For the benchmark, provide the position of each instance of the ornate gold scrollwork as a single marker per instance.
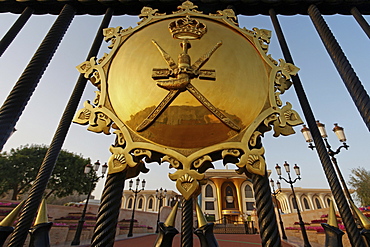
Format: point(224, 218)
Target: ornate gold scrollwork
point(173, 162)
point(199, 162)
point(229, 14)
point(263, 37)
point(146, 12)
point(97, 120)
point(254, 137)
point(231, 152)
point(120, 138)
point(187, 6)
point(142, 152)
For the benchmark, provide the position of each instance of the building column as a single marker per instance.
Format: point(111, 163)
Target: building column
point(238, 183)
point(310, 200)
point(289, 208)
point(323, 202)
point(218, 183)
point(299, 201)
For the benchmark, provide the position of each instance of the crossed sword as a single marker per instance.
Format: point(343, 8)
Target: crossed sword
point(183, 73)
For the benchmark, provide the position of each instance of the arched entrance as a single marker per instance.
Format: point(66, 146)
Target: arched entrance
point(230, 209)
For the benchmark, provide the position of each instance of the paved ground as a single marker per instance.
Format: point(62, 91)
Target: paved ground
point(224, 240)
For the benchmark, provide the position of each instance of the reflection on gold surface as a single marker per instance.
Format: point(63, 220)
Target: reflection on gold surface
point(239, 91)
point(185, 123)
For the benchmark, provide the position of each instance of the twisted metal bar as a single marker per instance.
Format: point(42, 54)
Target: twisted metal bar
point(348, 75)
point(361, 21)
point(51, 156)
point(106, 223)
point(330, 174)
point(26, 84)
point(266, 214)
point(14, 30)
point(13, 107)
point(187, 223)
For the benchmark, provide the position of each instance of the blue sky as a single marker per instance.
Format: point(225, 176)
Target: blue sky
point(325, 90)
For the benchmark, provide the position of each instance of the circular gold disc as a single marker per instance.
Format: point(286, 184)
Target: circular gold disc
point(239, 91)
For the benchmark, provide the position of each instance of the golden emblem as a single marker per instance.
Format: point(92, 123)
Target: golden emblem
point(178, 111)
point(184, 29)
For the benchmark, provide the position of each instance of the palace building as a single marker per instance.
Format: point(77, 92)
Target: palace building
point(228, 196)
point(146, 200)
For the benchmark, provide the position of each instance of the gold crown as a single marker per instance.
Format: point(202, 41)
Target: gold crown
point(187, 28)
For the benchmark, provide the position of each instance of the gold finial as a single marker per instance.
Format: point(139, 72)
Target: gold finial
point(200, 216)
point(42, 215)
point(365, 222)
point(332, 218)
point(170, 221)
point(12, 216)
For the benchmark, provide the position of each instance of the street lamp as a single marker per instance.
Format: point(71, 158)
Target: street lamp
point(136, 191)
point(274, 194)
point(339, 131)
point(87, 170)
point(159, 194)
point(291, 182)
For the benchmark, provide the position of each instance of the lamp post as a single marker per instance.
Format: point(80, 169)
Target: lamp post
point(136, 191)
point(160, 194)
point(291, 182)
point(87, 170)
point(274, 194)
point(339, 131)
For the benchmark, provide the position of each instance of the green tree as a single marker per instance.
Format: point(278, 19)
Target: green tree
point(360, 181)
point(19, 168)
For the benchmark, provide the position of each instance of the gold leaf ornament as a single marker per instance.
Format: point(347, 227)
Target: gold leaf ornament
point(120, 160)
point(100, 122)
point(187, 5)
point(187, 182)
point(288, 69)
point(286, 119)
point(87, 67)
point(291, 116)
point(254, 162)
point(146, 12)
point(83, 115)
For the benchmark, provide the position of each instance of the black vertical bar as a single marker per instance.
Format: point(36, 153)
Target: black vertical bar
point(361, 21)
point(106, 222)
point(348, 75)
point(27, 83)
point(51, 156)
point(265, 210)
point(40, 235)
point(187, 223)
point(331, 176)
point(14, 30)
